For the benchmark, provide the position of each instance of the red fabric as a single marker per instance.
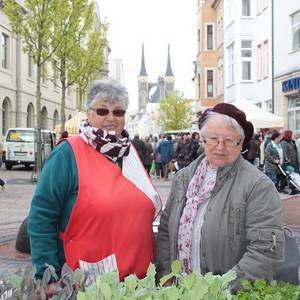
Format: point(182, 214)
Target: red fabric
point(110, 216)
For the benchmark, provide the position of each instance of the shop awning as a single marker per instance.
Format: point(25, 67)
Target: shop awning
point(71, 125)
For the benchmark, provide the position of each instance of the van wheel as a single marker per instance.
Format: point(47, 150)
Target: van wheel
point(8, 166)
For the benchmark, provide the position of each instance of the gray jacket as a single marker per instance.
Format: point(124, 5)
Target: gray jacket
point(242, 227)
point(271, 154)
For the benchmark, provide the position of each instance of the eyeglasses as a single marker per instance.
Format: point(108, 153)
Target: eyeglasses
point(214, 141)
point(105, 111)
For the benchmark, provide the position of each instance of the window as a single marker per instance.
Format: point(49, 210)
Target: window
point(30, 66)
point(246, 54)
point(220, 78)
point(269, 106)
point(261, 5)
point(4, 50)
point(220, 31)
point(230, 6)
point(296, 30)
point(246, 9)
point(265, 54)
point(262, 60)
point(209, 37)
point(230, 58)
point(210, 83)
point(259, 62)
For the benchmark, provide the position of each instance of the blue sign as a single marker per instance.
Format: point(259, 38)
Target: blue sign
point(291, 84)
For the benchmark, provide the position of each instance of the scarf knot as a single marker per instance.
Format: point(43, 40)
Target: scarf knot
point(105, 141)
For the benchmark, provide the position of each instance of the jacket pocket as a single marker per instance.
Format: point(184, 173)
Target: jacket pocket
point(269, 241)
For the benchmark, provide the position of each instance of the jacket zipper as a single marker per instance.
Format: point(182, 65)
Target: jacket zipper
point(237, 218)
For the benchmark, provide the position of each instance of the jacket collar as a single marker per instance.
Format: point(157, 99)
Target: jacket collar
point(223, 172)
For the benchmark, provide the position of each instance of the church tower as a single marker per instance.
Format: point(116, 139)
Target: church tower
point(169, 76)
point(143, 84)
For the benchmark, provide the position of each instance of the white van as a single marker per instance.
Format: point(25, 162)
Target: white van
point(20, 146)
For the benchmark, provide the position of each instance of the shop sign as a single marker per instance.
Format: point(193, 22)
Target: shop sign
point(291, 84)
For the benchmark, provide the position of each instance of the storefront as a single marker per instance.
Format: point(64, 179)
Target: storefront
point(291, 89)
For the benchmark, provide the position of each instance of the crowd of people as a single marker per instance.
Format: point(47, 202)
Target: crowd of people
point(270, 149)
point(266, 150)
point(222, 213)
point(158, 154)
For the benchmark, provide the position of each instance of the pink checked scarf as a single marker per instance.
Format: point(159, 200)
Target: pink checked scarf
point(104, 141)
point(196, 194)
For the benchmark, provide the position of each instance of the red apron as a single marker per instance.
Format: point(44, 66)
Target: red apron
point(110, 216)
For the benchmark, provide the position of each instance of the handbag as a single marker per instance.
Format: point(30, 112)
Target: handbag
point(289, 269)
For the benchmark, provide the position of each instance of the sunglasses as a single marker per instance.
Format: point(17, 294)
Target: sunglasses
point(105, 112)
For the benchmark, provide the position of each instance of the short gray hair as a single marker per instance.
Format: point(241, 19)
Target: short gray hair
point(108, 90)
point(227, 121)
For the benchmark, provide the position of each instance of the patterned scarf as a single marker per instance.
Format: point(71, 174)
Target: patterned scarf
point(196, 194)
point(104, 141)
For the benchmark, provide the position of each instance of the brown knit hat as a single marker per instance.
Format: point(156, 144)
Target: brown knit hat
point(233, 112)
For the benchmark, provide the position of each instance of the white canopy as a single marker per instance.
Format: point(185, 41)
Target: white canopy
point(259, 118)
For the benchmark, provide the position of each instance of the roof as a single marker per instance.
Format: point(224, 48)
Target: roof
point(169, 72)
point(143, 71)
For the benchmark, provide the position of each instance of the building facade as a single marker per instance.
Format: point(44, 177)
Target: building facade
point(18, 85)
point(209, 65)
point(247, 39)
point(287, 62)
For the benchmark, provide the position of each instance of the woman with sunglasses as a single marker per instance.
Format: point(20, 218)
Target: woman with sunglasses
point(222, 213)
point(94, 201)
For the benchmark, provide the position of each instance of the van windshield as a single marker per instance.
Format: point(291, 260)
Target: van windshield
point(22, 136)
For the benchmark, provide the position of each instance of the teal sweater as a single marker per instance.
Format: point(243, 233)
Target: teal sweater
point(51, 206)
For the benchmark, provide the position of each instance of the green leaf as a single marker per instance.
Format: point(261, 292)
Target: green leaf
point(105, 290)
point(86, 295)
point(130, 283)
point(260, 284)
point(15, 281)
point(176, 267)
point(172, 293)
point(227, 278)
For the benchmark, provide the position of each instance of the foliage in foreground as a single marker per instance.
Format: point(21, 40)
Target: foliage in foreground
point(193, 286)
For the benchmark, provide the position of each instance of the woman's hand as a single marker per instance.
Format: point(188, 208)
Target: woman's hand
point(277, 161)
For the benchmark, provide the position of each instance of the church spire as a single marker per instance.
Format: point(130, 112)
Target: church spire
point(143, 71)
point(169, 72)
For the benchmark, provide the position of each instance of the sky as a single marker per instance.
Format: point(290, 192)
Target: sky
point(156, 23)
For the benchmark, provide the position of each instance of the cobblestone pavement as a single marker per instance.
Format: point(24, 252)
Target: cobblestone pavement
point(15, 202)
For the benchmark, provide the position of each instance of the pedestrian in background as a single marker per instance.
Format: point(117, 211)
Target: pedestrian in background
point(94, 201)
point(165, 149)
point(148, 158)
point(273, 158)
point(140, 146)
point(184, 151)
point(289, 149)
point(222, 213)
point(197, 148)
point(159, 171)
point(297, 144)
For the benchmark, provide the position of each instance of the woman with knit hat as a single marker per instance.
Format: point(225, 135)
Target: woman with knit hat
point(222, 213)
